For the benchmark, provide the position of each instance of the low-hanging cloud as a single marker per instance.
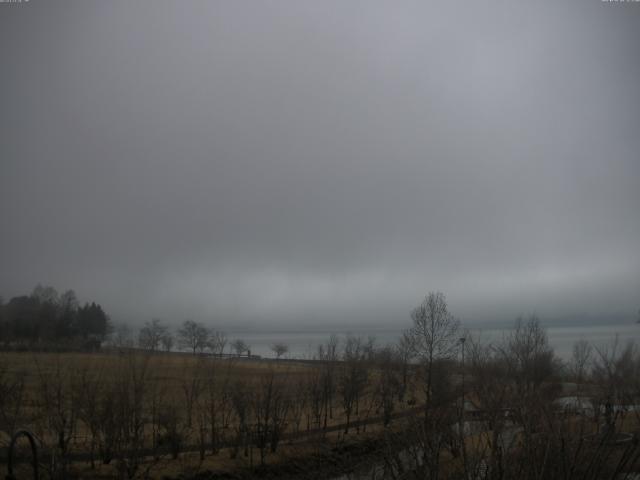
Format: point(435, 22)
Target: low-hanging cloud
point(322, 163)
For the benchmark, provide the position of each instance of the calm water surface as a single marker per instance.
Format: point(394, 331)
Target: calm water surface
point(305, 344)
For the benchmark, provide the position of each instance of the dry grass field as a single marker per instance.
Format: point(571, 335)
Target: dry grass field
point(134, 414)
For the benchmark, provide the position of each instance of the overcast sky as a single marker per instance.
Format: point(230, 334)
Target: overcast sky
point(322, 163)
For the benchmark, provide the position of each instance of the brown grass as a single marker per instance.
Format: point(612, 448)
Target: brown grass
point(170, 373)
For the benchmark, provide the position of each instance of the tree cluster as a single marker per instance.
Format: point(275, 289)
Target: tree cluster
point(502, 413)
point(155, 336)
point(47, 317)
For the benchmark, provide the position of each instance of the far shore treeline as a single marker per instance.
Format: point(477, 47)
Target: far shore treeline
point(46, 318)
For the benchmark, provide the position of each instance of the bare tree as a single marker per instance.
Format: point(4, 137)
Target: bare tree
point(59, 412)
point(45, 294)
point(88, 392)
point(150, 335)
point(529, 355)
point(405, 353)
point(12, 394)
point(328, 355)
point(315, 387)
point(299, 405)
point(121, 337)
point(279, 348)
point(176, 424)
point(132, 388)
point(172, 430)
point(388, 384)
point(99, 405)
point(240, 399)
point(615, 368)
point(531, 364)
point(239, 346)
point(490, 387)
point(269, 406)
point(194, 336)
point(167, 341)
point(433, 336)
point(217, 402)
point(353, 377)
point(192, 387)
point(581, 357)
point(217, 342)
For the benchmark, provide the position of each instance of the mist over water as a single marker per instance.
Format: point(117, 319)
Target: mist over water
point(304, 345)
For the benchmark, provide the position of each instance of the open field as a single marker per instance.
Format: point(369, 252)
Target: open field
point(134, 413)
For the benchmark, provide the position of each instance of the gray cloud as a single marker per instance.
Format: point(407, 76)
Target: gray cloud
point(322, 162)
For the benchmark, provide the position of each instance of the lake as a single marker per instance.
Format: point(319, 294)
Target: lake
point(305, 344)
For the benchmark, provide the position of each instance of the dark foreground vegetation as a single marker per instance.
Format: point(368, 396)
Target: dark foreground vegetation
point(438, 404)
